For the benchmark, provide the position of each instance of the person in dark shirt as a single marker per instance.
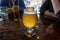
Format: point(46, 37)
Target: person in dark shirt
point(56, 5)
point(46, 11)
point(50, 14)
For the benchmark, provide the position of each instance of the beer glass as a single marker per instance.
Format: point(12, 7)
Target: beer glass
point(29, 21)
point(15, 9)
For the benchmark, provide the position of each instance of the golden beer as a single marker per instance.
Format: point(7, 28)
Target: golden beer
point(15, 9)
point(29, 20)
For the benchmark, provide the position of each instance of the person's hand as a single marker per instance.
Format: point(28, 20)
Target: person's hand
point(49, 14)
point(9, 10)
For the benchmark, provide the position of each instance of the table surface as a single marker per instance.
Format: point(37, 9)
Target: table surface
point(13, 30)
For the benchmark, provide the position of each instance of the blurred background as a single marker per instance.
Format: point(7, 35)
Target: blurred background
point(36, 3)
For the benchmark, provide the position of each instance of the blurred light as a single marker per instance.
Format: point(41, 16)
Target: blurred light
point(38, 37)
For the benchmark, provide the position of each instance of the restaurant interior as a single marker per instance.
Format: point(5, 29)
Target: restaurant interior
point(26, 25)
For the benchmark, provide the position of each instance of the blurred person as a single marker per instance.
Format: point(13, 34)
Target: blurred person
point(9, 4)
point(56, 5)
point(46, 13)
point(50, 14)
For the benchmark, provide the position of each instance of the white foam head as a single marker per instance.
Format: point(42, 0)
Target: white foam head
point(29, 12)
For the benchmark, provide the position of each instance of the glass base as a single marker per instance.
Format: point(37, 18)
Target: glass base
point(30, 32)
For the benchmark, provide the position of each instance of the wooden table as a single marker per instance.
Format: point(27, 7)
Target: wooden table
point(13, 30)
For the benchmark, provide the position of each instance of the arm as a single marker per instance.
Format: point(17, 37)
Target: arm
point(51, 14)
